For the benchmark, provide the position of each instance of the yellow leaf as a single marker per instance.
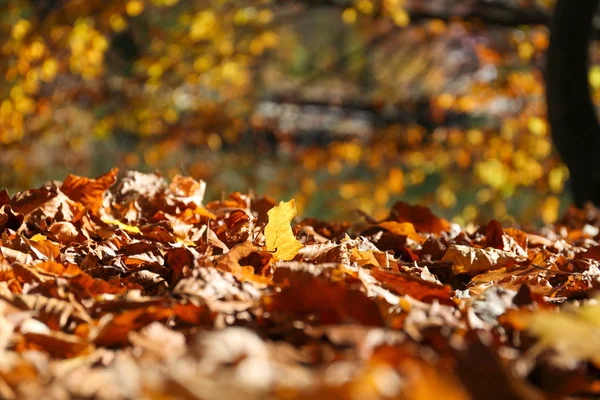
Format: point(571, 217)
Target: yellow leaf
point(278, 232)
point(204, 212)
point(121, 225)
point(594, 77)
point(38, 237)
point(134, 7)
point(186, 241)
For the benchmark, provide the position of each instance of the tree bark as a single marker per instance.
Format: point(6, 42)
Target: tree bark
point(571, 113)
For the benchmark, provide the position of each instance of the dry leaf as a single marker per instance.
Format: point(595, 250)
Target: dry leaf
point(402, 229)
point(414, 287)
point(89, 192)
point(472, 259)
point(421, 217)
point(94, 294)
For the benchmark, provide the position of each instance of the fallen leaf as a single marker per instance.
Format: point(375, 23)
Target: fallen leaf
point(414, 287)
point(120, 225)
point(114, 329)
point(9, 219)
point(278, 232)
point(89, 192)
point(402, 229)
point(421, 217)
point(472, 259)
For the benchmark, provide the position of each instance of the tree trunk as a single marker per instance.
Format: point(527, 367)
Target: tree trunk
point(571, 113)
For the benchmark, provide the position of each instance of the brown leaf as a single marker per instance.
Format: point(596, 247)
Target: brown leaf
point(179, 261)
point(494, 235)
point(484, 375)
point(261, 207)
point(306, 296)
point(591, 253)
point(64, 232)
point(471, 259)
point(4, 197)
point(10, 219)
point(55, 313)
point(55, 343)
point(27, 201)
point(421, 217)
point(417, 288)
point(114, 329)
point(187, 190)
point(193, 314)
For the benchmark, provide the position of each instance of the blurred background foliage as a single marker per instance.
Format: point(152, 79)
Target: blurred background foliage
point(341, 105)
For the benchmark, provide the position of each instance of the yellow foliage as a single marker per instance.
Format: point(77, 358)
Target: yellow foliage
point(349, 15)
point(49, 69)
point(445, 197)
point(594, 77)
point(134, 7)
point(38, 237)
point(549, 211)
point(537, 126)
point(117, 22)
point(400, 17)
point(493, 173)
point(557, 178)
point(20, 29)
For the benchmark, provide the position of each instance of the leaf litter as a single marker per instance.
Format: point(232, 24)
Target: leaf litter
point(135, 288)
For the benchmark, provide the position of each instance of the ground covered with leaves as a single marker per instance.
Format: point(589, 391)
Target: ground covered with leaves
point(135, 288)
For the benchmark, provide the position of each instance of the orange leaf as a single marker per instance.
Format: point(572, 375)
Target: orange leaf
point(86, 191)
point(117, 328)
point(402, 229)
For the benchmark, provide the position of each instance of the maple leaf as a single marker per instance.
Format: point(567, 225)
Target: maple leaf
point(278, 233)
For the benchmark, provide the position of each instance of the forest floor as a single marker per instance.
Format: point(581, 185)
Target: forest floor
point(137, 288)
